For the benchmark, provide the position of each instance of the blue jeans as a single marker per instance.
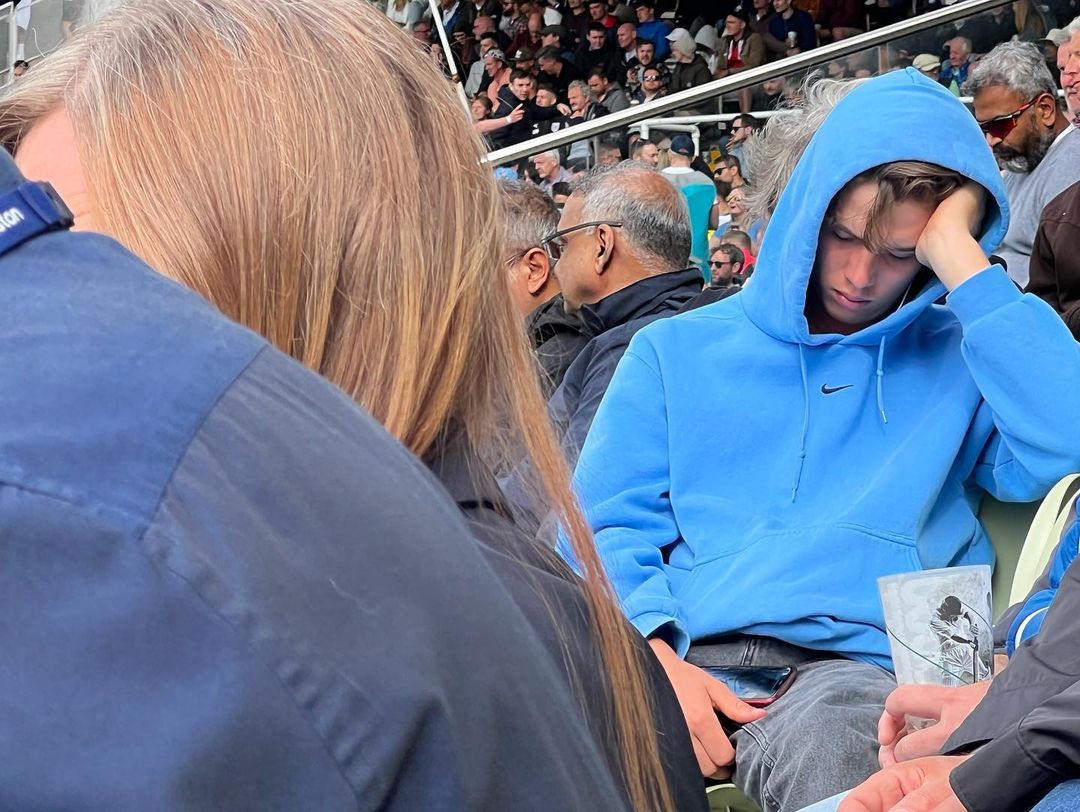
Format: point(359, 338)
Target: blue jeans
point(1064, 798)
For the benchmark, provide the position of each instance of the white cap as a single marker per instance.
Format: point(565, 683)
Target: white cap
point(682, 42)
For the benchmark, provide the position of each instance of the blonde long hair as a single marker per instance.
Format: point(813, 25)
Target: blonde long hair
point(304, 167)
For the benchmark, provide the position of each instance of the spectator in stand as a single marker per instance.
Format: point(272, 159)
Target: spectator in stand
point(653, 86)
point(598, 52)
point(477, 77)
point(609, 154)
point(481, 108)
point(498, 73)
point(742, 128)
point(560, 193)
point(620, 256)
point(312, 652)
point(486, 8)
point(651, 28)
point(707, 44)
point(556, 71)
point(690, 68)
point(929, 66)
point(577, 21)
point(791, 30)
point(646, 152)
point(550, 170)
point(645, 56)
point(421, 32)
point(557, 336)
point(546, 96)
point(990, 28)
point(1054, 265)
point(840, 19)
point(728, 171)
point(583, 104)
point(1069, 69)
point(700, 194)
point(1031, 25)
point(457, 16)
point(741, 240)
point(691, 562)
point(887, 12)
point(554, 36)
point(486, 25)
point(769, 94)
point(760, 16)
point(725, 266)
point(1017, 107)
point(525, 60)
point(740, 48)
point(515, 19)
point(608, 95)
point(20, 68)
point(626, 40)
point(530, 38)
point(954, 71)
point(598, 13)
point(517, 112)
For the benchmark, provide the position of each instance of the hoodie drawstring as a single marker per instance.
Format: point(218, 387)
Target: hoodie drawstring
point(880, 377)
point(805, 423)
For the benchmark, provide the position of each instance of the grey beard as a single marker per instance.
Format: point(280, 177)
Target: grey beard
point(1026, 161)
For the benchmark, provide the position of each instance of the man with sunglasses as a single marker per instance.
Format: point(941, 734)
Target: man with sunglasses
point(620, 255)
point(1017, 107)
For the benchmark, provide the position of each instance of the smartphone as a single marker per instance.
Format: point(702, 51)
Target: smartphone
point(759, 686)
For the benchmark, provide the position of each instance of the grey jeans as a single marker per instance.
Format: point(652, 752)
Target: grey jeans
point(819, 738)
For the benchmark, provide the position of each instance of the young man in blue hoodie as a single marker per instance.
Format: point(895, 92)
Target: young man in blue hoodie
point(872, 420)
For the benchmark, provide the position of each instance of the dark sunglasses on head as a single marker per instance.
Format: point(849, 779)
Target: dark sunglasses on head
point(1000, 126)
point(555, 244)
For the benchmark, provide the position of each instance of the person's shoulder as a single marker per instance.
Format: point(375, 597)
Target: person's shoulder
point(1065, 208)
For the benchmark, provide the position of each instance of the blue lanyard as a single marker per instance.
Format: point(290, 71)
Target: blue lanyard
point(28, 210)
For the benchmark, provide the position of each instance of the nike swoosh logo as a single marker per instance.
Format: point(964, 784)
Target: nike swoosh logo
point(828, 390)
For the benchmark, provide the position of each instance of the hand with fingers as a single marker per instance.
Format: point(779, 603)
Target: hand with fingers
point(914, 786)
point(701, 698)
point(947, 708)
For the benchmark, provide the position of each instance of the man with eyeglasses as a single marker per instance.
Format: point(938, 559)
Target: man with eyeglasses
point(741, 129)
point(620, 254)
point(1017, 107)
point(652, 86)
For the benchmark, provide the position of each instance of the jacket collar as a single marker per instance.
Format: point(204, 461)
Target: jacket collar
point(639, 299)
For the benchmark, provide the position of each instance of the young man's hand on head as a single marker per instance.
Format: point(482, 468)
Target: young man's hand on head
point(701, 697)
point(914, 786)
point(948, 245)
point(946, 707)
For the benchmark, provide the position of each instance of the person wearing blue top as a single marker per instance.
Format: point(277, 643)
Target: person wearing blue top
point(653, 29)
point(884, 374)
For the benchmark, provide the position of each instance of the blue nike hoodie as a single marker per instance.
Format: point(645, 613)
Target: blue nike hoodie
point(852, 457)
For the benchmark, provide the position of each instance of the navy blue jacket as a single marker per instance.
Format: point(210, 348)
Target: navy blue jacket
point(224, 587)
point(613, 321)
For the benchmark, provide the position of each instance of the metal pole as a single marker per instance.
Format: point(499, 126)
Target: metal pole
point(455, 77)
point(747, 78)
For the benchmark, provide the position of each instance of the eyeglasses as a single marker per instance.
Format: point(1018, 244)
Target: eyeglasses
point(999, 127)
point(555, 244)
point(721, 264)
point(652, 78)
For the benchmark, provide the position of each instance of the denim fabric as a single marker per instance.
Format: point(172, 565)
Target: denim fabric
point(1064, 798)
point(819, 739)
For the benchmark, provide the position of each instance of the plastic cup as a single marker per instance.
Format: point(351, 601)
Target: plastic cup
point(939, 625)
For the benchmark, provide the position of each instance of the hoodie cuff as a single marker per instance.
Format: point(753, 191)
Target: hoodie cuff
point(1001, 775)
point(655, 624)
point(982, 294)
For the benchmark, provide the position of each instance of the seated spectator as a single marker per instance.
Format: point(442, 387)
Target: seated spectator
point(859, 270)
point(557, 336)
point(583, 104)
point(1031, 25)
point(517, 112)
point(990, 28)
point(1021, 724)
point(741, 47)
point(620, 256)
point(525, 60)
point(608, 94)
point(707, 44)
point(768, 95)
point(477, 79)
point(481, 108)
point(645, 53)
point(651, 28)
point(929, 66)
point(598, 13)
point(742, 128)
point(761, 14)
point(560, 193)
point(626, 38)
point(531, 37)
point(1054, 264)
point(954, 71)
point(576, 21)
point(840, 19)
point(556, 71)
point(1017, 107)
point(690, 68)
point(1068, 63)
point(597, 52)
point(725, 265)
point(608, 154)
point(498, 73)
point(791, 30)
point(646, 152)
point(555, 36)
point(700, 194)
point(342, 291)
point(653, 86)
point(741, 240)
point(550, 170)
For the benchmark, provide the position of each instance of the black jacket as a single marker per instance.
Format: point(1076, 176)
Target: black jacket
point(689, 74)
point(613, 321)
point(1028, 725)
point(550, 596)
point(557, 337)
point(521, 130)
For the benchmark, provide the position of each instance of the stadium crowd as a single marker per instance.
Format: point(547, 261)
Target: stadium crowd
point(342, 471)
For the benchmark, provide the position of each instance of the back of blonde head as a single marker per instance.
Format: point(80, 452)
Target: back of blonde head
point(305, 167)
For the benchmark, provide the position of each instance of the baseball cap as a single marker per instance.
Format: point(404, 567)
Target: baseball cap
point(524, 55)
point(683, 145)
point(926, 63)
point(1058, 36)
point(741, 12)
point(548, 30)
point(682, 42)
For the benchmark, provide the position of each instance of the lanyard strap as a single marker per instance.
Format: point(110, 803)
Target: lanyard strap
point(28, 210)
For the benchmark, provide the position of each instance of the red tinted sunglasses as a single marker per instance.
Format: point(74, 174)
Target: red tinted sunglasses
point(1000, 126)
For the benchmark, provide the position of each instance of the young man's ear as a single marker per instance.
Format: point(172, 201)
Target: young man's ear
point(538, 270)
point(605, 247)
point(736, 267)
